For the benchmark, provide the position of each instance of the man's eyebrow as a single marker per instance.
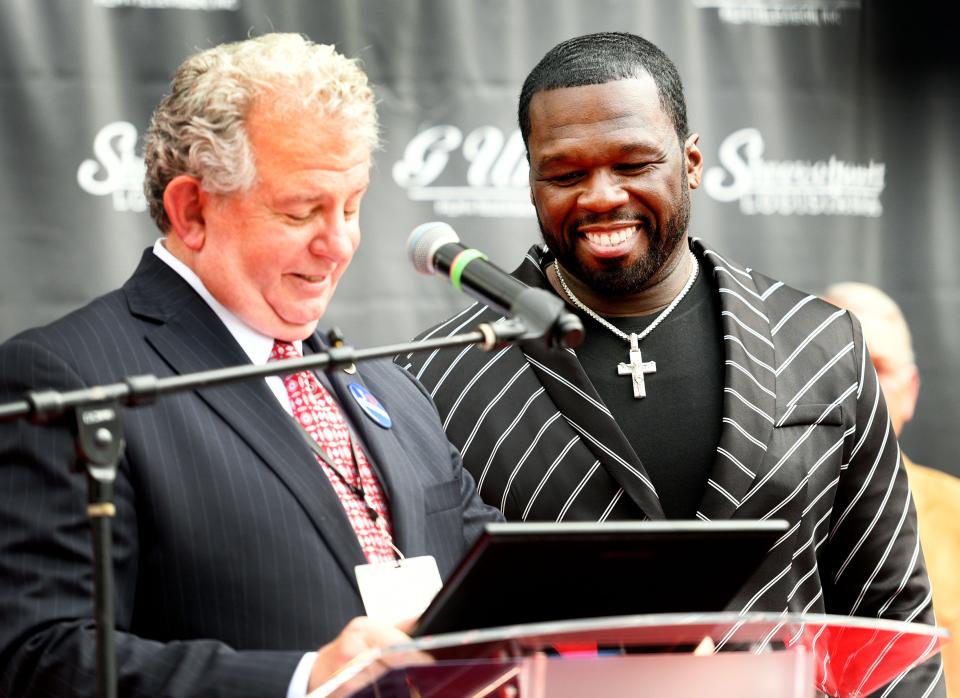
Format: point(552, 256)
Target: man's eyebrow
point(633, 147)
point(314, 197)
point(298, 198)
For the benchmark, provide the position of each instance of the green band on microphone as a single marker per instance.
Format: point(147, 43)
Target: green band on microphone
point(460, 263)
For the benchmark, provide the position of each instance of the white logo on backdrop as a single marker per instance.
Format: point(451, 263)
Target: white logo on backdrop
point(172, 4)
point(792, 187)
point(779, 13)
point(496, 172)
point(117, 171)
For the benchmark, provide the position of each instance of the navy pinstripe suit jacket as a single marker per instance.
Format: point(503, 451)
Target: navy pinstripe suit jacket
point(232, 552)
point(805, 437)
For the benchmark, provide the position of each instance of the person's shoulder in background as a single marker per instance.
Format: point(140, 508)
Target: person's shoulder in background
point(937, 498)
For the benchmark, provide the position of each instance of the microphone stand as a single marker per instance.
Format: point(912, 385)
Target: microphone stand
point(98, 433)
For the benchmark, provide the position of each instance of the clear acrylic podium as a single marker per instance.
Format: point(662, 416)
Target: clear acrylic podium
point(722, 655)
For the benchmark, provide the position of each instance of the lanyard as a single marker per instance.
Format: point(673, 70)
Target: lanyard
point(356, 490)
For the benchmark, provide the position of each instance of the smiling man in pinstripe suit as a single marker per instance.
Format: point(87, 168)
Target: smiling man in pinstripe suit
point(703, 390)
point(234, 545)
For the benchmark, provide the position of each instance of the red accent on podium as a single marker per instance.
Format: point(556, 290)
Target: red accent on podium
point(758, 655)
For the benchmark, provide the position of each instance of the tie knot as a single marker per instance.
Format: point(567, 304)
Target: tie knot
point(283, 350)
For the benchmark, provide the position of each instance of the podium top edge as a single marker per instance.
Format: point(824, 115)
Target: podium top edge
point(664, 620)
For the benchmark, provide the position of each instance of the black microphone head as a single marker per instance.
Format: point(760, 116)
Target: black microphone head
point(424, 242)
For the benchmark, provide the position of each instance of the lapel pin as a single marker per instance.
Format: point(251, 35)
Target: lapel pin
point(370, 405)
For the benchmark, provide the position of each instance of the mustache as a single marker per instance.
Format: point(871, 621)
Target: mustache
point(617, 216)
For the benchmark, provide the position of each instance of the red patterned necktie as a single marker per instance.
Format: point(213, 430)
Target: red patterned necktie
point(348, 471)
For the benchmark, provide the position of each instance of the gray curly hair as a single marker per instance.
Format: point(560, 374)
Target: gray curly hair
point(199, 128)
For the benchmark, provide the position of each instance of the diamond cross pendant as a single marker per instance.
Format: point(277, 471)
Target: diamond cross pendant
point(636, 368)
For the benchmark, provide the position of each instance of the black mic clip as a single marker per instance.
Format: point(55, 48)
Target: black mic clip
point(538, 314)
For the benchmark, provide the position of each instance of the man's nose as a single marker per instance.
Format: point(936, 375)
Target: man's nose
point(604, 191)
point(333, 239)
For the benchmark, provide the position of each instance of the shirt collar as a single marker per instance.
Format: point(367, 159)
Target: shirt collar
point(256, 345)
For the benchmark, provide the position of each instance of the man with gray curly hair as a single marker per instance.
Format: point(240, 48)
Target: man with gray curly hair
point(242, 511)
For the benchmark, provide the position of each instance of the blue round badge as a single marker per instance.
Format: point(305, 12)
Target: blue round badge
point(371, 405)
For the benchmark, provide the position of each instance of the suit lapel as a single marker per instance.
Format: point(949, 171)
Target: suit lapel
point(572, 392)
point(404, 496)
point(749, 399)
point(189, 338)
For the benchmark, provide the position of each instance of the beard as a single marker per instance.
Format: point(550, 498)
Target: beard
point(612, 278)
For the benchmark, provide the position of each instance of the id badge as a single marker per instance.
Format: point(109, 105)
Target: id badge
point(400, 590)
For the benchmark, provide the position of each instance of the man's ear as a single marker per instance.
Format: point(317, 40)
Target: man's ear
point(184, 201)
point(912, 393)
point(694, 160)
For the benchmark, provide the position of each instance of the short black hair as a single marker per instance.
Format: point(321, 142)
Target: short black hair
point(595, 59)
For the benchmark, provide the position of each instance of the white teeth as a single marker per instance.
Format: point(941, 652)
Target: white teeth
point(609, 239)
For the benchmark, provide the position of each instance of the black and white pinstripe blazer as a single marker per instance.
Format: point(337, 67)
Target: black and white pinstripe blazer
point(232, 553)
point(805, 438)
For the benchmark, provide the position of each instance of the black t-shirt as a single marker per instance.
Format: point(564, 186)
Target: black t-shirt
point(675, 429)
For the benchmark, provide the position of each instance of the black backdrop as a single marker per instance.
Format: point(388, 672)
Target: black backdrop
point(829, 130)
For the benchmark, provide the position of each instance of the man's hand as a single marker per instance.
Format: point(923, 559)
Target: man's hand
point(359, 635)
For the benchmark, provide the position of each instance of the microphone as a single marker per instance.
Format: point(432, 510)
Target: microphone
point(434, 248)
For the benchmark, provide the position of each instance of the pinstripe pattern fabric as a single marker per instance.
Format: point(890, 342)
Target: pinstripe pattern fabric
point(805, 438)
point(232, 553)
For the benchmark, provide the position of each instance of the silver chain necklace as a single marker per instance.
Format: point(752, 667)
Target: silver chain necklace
point(636, 368)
